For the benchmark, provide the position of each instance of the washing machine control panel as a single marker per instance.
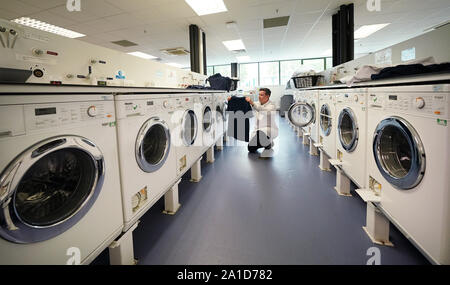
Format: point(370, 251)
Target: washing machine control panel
point(429, 104)
point(47, 116)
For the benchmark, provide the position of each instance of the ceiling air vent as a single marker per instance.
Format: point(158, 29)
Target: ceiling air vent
point(239, 51)
point(276, 22)
point(175, 51)
point(125, 43)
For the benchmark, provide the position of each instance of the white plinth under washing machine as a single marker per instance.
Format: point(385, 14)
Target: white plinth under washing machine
point(327, 121)
point(146, 155)
point(208, 122)
point(186, 126)
point(312, 98)
point(409, 162)
point(59, 181)
point(351, 132)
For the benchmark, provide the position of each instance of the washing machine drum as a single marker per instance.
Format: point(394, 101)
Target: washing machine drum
point(207, 119)
point(399, 153)
point(348, 130)
point(220, 114)
point(301, 114)
point(48, 188)
point(325, 120)
point(152, 145)
point(189, 128)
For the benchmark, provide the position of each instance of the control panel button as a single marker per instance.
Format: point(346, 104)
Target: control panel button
point(92, 111)
point(419, 103)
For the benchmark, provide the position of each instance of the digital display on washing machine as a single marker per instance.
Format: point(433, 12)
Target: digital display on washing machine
point(150, 103)
point(44, 111)
point(393, 97)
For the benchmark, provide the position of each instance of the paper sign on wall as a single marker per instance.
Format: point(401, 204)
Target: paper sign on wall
point(409, 54)
point(384, 57)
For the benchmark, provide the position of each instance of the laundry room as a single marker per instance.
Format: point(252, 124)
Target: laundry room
point(218, 133)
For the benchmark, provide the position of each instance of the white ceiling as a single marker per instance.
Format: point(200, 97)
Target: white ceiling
point(158, 24)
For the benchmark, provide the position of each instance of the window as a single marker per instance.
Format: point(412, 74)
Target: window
point(248, 75)
point(224, 70)
point(269, 73)
point(314, 64)
point(210, 70)
point(287, 69)
point(329, 62)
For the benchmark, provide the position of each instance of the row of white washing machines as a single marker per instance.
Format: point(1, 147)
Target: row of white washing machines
point(78, 170)
point(393, 141)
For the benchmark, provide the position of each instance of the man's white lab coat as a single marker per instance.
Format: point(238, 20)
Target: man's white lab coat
point(265, 116)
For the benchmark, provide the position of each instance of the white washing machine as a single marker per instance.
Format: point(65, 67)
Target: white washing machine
point(146, 155)
point(302, 114)
point(59, 181)
point(327, 121)
point(409, 162)
point(219, 115)
point(312, 98)
point(185, 123)
point(351, 132)
point(208, 123)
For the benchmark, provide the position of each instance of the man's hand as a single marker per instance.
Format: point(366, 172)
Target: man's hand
point(249, 100)
point(229, 98)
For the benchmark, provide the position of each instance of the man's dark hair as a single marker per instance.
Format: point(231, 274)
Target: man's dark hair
point(266, 90)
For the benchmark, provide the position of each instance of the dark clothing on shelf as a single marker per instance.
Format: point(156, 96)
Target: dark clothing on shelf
point(260, 140)
point(411, 69)
point(239, 113)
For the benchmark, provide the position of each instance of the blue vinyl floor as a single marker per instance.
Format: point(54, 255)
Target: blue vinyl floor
point(248, 210)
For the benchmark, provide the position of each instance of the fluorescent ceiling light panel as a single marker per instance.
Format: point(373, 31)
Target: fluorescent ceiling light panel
point(206, 7)
point(244, 58)
point(234, 45)
point(175, 64)
point(43, 26)
point(367, 30)
point(142, 55)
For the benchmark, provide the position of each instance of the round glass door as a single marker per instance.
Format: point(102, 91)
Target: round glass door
point(399, 153)
point(152, 145)
point(49, 188)
point(301, 114)
point(189, 128)
point(325, 120)
point(348, 130)
point(207, 119)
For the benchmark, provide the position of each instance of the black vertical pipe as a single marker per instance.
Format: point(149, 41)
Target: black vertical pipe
point(234, 69)
point(350, 33)
point(205, 66)
point(343, 16)
point(195, 48)
point(335, 41)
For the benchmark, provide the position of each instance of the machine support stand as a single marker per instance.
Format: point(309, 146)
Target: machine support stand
point(299, 132)
point(377, 224)
point(121, 251)
point(171, 202)
point(219, 144)
point(324, 162)
point(342, 183)
point(196, 171)
point(210, 155)
point(306, 138)
point(313, 150)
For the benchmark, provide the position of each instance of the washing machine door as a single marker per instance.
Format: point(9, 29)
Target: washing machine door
point(326, 122)
point(207, 119)
point(152, 145)
point(348, 130)
point(48, 188)
point(189, 127)
point(301, 114)
point(399, 153)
